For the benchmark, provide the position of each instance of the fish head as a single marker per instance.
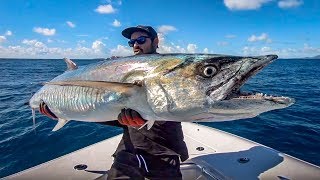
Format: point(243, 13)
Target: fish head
point(37, 103)
point(206, 87)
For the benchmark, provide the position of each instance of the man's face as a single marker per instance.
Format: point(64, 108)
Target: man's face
point(144, 48)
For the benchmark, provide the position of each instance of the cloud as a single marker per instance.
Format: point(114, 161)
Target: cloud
point(285, 4)
point(2, 39)
point(265, 49)
point(8, 33)
point(191, 48)
point(105, 9)
point(244, 4)
point(206, 50)
point(312, 50)
point(166, 28)
point(121, 51)
point(116, 23)
point(262, 37)
point(98, 46)
point(70, 24)
point(44, 31)
point(230, 36)
point(32, 48)
point(33, 43)
point(256, 51)
point(36, 49)
point(305, 51)
point(165, 47)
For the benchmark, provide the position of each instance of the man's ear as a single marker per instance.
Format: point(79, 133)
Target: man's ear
point(156, 42)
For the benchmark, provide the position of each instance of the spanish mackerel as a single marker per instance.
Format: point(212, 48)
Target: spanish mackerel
point(160, 87)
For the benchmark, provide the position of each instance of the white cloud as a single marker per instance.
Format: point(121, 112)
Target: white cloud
point(265, 49)
point(285, 4)
point(191, 48)
point(230, 36)
point(121, 51)
point(49, 40)
point(2, 39)
point(254, 51)
point(168, 48)
point(37, 49)
point(166, 28)
point(8, 33)
point(206, 50)
point(44, 31)
point(33, 43)
point(308, 49)
point(262, 37)
point(71, 24)
point(116, 23)
point(98, 46)
point(305, 51)
point(32, 48)
point(105, 9)
point(165, 47)
point(244, 4)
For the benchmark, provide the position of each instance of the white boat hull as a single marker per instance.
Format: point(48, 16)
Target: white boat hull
point(214, 154)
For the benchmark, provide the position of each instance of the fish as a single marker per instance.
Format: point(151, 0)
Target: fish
point(160, 87)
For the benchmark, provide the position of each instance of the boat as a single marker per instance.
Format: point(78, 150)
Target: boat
point(214, 154)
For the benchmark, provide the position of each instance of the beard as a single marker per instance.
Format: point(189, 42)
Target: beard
point(138, 51)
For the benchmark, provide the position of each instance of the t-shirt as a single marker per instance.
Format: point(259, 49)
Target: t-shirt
point(164, 138)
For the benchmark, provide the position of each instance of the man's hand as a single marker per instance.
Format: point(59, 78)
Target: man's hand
point(129, 117)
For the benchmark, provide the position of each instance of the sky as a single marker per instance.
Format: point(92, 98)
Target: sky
point(83, 29)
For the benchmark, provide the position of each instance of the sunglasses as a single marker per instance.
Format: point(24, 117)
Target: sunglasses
point(139, 40)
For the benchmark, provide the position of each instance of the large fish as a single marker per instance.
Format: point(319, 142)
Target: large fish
point(161, 87)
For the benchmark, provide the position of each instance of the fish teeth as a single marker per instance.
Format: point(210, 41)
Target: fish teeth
point(255, 96)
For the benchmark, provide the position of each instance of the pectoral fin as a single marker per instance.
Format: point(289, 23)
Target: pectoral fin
point(60, 124)
point(149, 124)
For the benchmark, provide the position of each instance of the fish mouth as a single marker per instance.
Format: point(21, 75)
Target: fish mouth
point(238, 81)
point(259, 96)
point(236, 92)
point(44, 109)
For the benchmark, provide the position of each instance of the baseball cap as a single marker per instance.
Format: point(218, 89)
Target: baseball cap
point(148, 29)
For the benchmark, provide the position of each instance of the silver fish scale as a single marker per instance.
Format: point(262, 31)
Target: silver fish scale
point(75, 99)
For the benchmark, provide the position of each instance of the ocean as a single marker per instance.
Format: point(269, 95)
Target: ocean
point(294, 130)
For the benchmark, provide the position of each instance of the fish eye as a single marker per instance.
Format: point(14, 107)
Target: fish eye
point(209, 71)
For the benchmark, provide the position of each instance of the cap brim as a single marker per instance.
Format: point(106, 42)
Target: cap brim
point(128, 32)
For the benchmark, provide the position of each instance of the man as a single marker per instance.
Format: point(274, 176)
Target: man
point(154, 153)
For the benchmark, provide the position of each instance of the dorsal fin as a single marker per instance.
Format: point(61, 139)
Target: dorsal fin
point(71, 65)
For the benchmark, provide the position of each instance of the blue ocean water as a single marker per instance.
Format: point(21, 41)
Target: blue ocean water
point(294, 130)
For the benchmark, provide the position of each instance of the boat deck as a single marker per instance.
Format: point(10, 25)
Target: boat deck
point(214, 154)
